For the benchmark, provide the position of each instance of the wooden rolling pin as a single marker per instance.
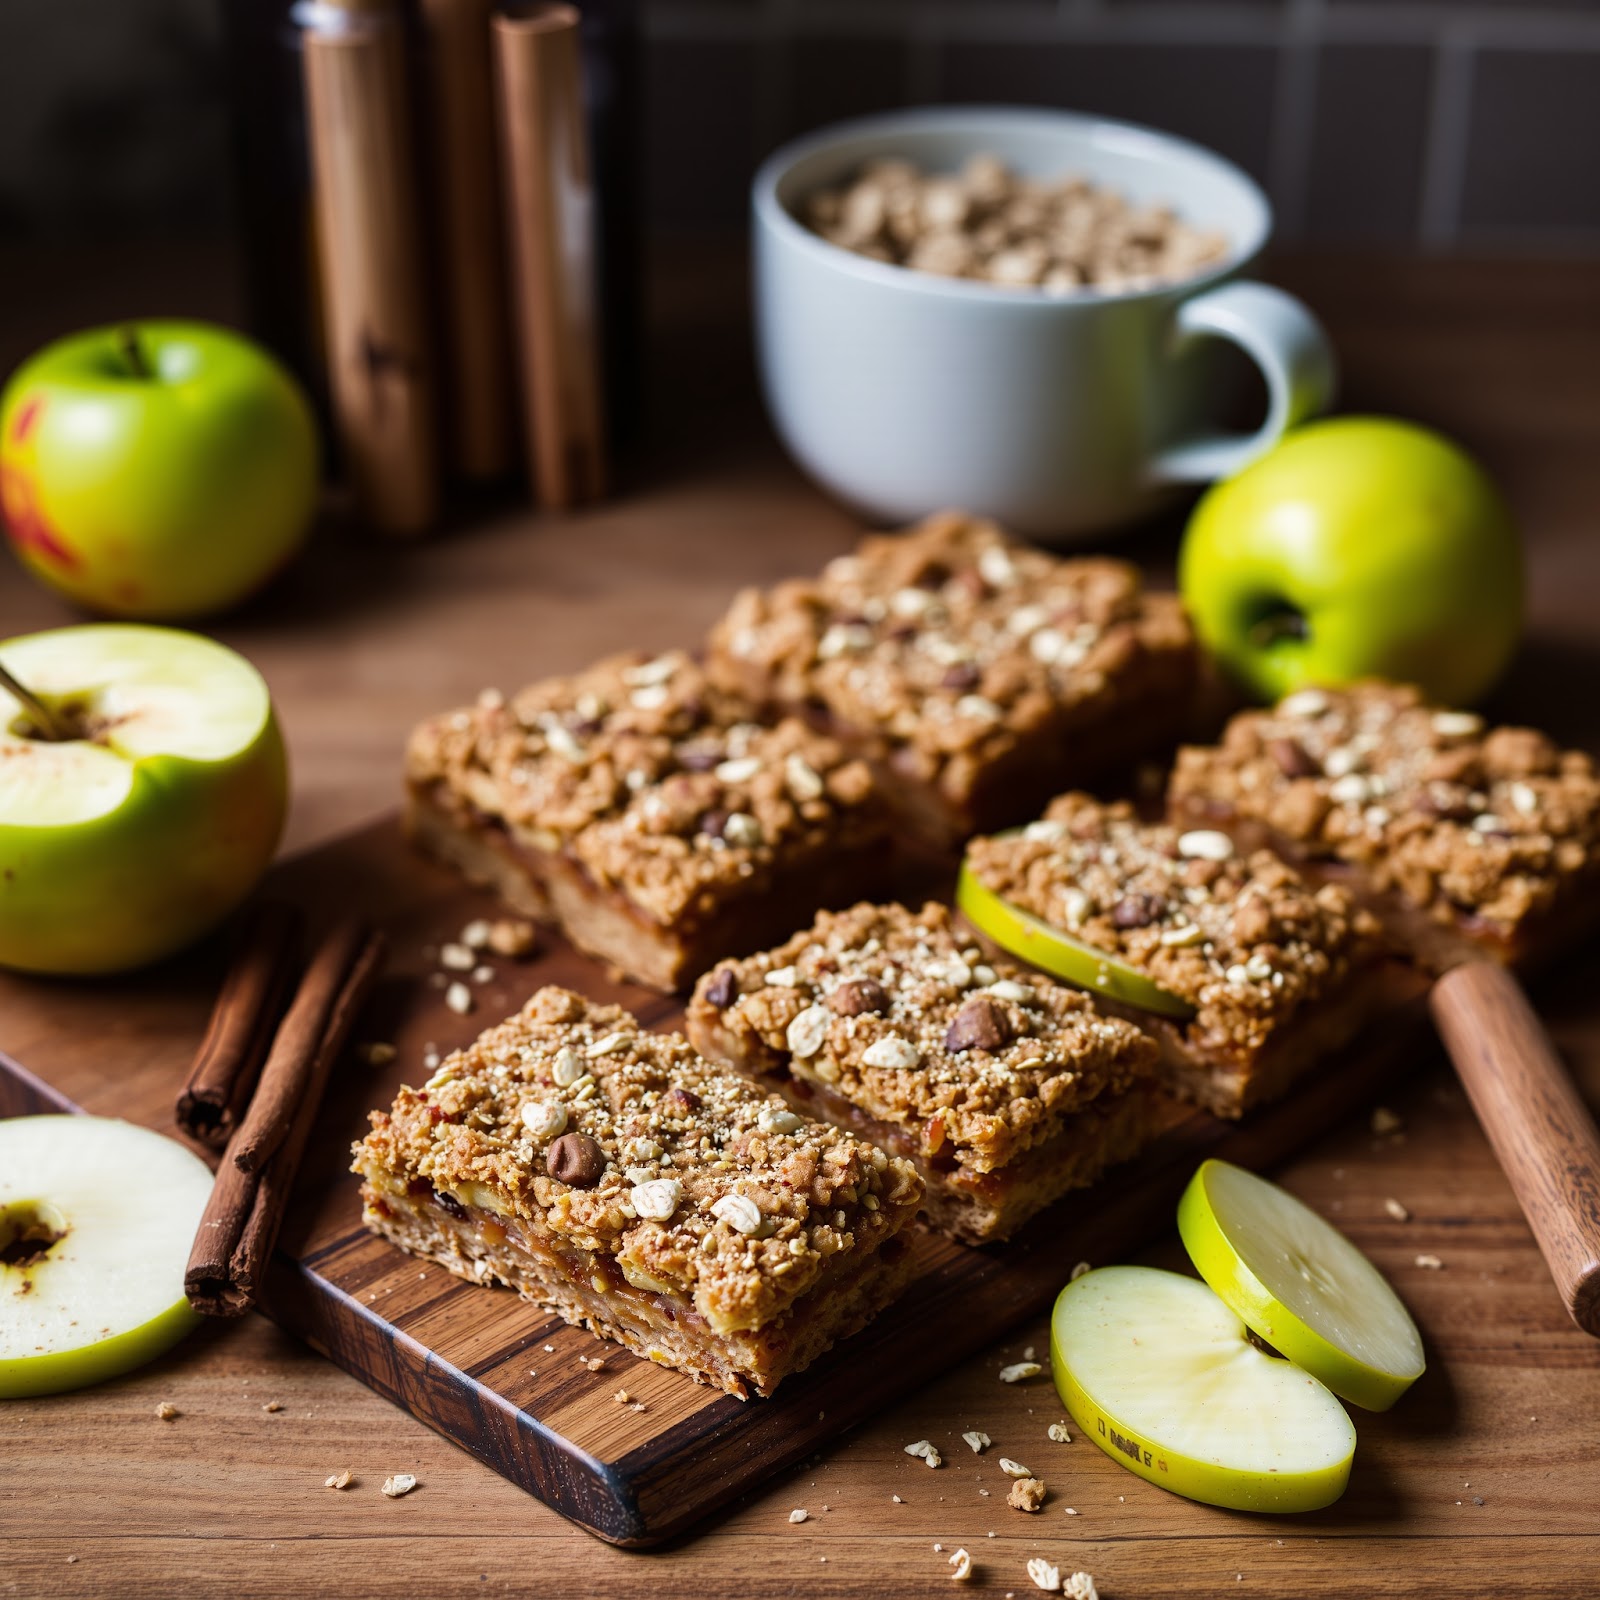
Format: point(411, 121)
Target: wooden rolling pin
point(1540, 1128)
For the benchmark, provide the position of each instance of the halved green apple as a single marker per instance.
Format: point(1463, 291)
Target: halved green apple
point(1058, 953)
point(1300, 1285)
point(132, 837)
point(96, 1220)
point(1165, 1379)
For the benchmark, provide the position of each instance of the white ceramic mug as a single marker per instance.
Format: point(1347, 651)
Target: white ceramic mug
point(1060, 415)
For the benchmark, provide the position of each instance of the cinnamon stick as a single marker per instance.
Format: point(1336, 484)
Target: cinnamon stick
point(252, 999)
point(293, 1056)
point(239, 1227)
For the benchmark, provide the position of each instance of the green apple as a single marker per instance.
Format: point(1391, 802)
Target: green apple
point(1022, 934)
point(154, 818)
point(96, 1221)
point(156, 470)
point(1358, 547)
point(1300, 1285)
point(1165, 1379)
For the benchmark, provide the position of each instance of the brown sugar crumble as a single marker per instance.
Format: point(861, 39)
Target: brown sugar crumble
point(979, 674)
point(1240, 935)
point(1493, 832)
point(765, 1242)
point(895, 1022)
point(634, 789)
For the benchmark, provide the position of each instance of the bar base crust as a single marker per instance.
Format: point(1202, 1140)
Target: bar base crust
point(656, 1327)
point(553, 889)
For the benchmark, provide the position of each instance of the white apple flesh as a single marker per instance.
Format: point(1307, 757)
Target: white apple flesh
point(1160, 1374)
point(96, 1221)
point(132, 837)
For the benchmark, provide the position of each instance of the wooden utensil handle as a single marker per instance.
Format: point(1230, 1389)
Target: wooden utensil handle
point(1540, 1128)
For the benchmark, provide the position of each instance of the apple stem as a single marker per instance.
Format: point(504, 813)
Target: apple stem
point(133, 351)
point(45, 719)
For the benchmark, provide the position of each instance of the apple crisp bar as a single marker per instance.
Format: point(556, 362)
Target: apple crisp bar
point(1004, 1088)
point(639, 809)
point(1279, 972)
point(1470, 834)
point(981, 676)
point(620, 1179)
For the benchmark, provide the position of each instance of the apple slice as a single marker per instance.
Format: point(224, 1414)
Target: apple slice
point(1048, 948)
point(156, 816)
point(1300, 1285)
point(96, 1220)
point(1164, 1378)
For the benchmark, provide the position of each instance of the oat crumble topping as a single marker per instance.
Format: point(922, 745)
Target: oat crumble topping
point(661, 1119)
point(899, 1012)
point(659, 784)
point(1243, 938)
point(948, 644)
point(1462, 820)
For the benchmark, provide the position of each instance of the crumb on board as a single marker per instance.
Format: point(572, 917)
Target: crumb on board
point(927, 1450)
point(961, 1566)
point(273, 1406)
point(1429, 1263)
point(798, 1514)
point(1058, 1432)
point(168, 1412)
point(1385, 1122)
point(1018, 1370)
point(1396, 1210)
point(339, 1480)
point(977, 1441)
point(400, 1483)
point(1027, 1494)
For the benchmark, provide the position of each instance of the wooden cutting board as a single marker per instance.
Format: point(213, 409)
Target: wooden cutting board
point(502, 1378)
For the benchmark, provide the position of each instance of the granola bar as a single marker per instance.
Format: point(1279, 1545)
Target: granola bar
point(1280, 972)
point(1004, 1088)
point(643, 812)
point(617, 1177)
point(980, 675)
point(1488, 836)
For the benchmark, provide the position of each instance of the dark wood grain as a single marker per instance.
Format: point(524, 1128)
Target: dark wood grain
point(1539, 1126)
point(504, 1379)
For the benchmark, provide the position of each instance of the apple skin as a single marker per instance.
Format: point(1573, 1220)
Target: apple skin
point(108, 1358)
point(185, 847)
point(1391, 544)
point(159, 497)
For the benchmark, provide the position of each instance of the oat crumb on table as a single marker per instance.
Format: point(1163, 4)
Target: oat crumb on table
point(273, 1406)
point(798, 1514)
point(1058, 1432)
point(1396, 1210)
point(339, 1480)
point(978, 1441)
point(1429, 1263)
point(1013, 1469)
point(1027, 1494)
point(927, 1451)
point(401, 1483)
point(961, 1566)
point(167, 1411)
point(1018, 1370)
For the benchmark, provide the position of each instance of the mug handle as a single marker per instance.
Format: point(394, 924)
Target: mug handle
point(1293, 352)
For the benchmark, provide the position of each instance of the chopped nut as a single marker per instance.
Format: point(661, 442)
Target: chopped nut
point(339, 1480)
point(1205, 844)
point(741, 1213)
point(778, 1119)
point(978, 1441)
point(1027, 1494)
point(544, 1119)
point(980, 1024)
point(575, 1159)
point(1397, 1211)
point(658, 1199)
point(168, 1412)
point(1044, 1575)
point(808, 1032)
point(857, 997)
point(891, 1051)
point(1018, 1370)
point(476, 933)
point(961, 1564)
point(797, 1515)
point(927, 1451)
point(512, 937)
point(400, 1483)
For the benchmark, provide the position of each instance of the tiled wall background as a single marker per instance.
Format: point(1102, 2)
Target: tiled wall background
point(1413, 122)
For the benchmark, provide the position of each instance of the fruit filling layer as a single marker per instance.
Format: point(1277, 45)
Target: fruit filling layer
point(1266, 958)
point(651, 783)
point(1488, 831)
point(1005, 1088)
point(620, 1178)
point(951, 654)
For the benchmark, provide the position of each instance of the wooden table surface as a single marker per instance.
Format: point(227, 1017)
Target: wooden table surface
point(1484, 1481)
